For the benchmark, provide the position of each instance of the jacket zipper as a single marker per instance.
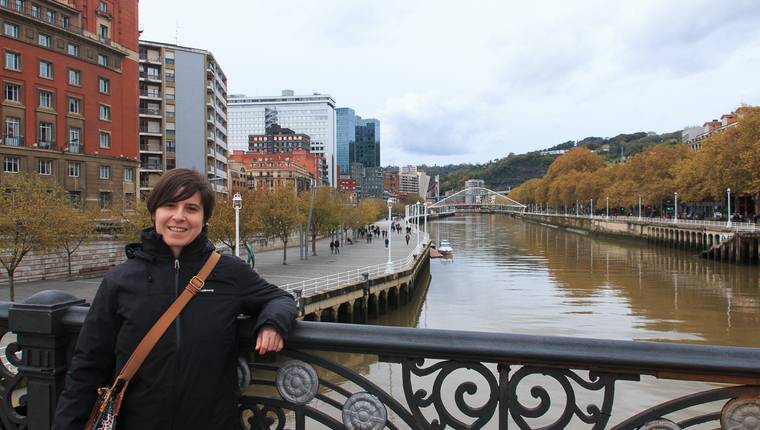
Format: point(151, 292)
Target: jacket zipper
point(176, 294)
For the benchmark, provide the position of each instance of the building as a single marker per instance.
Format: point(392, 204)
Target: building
point(183, 114)
point(408, 169)
point(391, 184)
point(298, 169)
point(347, 186)
point(278, 140)
point(369, 181)
point(409, 183)
point(474, 191)
point(345, 137)
point(423, 179)
point(367, 147)
point(313, 115)
point(69, 101)
point(694, 135)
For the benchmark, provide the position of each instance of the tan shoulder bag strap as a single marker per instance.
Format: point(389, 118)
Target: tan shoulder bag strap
point(158, 329)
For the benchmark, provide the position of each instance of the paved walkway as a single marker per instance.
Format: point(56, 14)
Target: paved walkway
point(268, 264)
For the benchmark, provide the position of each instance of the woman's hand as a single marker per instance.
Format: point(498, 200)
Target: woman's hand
point(268, 340)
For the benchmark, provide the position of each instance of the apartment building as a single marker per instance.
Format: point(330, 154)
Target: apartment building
point(183, 114)
point(69, 102)
point(312, 114)
point(297, 169)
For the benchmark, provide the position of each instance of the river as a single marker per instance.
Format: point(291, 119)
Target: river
point(511, 276)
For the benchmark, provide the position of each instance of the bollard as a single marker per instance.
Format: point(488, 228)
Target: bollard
point(44, 345)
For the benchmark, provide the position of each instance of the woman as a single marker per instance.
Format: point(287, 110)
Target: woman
point(189, 380)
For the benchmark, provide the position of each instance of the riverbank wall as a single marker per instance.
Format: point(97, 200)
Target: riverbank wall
point(720, 243)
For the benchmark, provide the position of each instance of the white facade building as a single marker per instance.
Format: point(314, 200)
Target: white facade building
point(309, 114)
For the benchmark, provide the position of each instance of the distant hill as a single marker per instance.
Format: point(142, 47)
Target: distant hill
point(513, 170)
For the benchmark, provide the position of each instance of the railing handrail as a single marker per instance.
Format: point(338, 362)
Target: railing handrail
point(735, 225)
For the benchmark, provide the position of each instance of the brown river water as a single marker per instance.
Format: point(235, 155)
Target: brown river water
point(510, 276)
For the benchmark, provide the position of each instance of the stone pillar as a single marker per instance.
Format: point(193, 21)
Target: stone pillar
point(44, 343)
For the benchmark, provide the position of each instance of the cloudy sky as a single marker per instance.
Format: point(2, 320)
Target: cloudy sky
point(455, 81)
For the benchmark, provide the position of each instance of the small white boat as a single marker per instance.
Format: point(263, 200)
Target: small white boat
point(445, 247)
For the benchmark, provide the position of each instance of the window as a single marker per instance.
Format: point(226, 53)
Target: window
point(75, 168)
point(75, 105)
point(105, 172)
point(104, 85)
point(102, 7)
point(11, 164)
point(45, 167)
point(46, 99)
point(50, 16)
point(105, 112)
point(65, 21)
point(171, 146)
point(13, 131)
point(102, 59)
point(20, 5)
point(73, 50)
point(75, 77)
point(75, 142)
point(43, 40)
point(45, 136)
point(75, 198)
point(12, 60)
point(10, 30)
point(105, 199)
point(129, 174)
point(169, 61)
point(105, 140)
point(13, 92)
point(103, 32)
point(46, 69)
point(36, 10)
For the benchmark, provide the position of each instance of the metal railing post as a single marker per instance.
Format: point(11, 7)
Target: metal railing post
point(44, 343)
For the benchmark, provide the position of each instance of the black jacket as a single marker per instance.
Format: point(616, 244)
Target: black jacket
point(189, 380)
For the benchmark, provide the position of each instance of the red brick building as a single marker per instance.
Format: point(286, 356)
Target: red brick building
point(297, 168)
point(69, 103)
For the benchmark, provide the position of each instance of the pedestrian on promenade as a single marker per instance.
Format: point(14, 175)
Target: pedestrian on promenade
point(407, 238)
point(386, 242)
point(337, 246)
point(332, 247)
point(189, 379)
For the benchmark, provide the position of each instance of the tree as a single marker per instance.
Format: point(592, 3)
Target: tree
point(72, 227)
point(325, 217)
point(221, 226)
point(279, 215)
point(27, 206)
point(135, 221)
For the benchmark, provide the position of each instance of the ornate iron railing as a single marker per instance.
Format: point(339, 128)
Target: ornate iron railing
point(449, 379)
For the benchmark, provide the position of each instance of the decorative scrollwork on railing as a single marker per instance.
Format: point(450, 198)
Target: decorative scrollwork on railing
point(363, 411)
point(593, 414)
point(419, 399)
point(10, 381)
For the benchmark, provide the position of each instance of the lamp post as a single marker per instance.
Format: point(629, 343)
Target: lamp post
point(389, 265)
point(728, 218)
point(592, 209)
point(237, 203)
point(417, 211)
point(607, 207)
point(577, 206)
point(675, 208)
point(426, 214)
point(639, 207)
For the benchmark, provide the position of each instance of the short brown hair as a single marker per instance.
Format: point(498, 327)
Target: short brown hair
point(179, 184)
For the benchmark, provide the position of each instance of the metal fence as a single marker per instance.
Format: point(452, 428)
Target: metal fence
point(685, 223)
point(449, 379)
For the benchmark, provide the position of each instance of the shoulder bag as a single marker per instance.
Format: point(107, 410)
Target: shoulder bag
point(106, 408)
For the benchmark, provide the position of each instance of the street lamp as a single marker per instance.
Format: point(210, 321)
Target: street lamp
point(426, 213)
point(728, 223)
point(389, 265)
point(237, 203)
point(607, 207)
point(592, 209)
point(675, 208)
point(639, 207)
point(417, 211)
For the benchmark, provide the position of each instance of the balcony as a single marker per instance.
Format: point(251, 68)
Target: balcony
point(151, 147)
point(75, 148)
point(150, 94)
point(13, 140)
point(148, 58)
point(12, 7)
point(151, 131)
point(155, 77)
point(152, 165)
point(45, 144)
point(150, 111)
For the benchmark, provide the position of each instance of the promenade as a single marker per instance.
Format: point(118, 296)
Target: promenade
point(268, 265)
